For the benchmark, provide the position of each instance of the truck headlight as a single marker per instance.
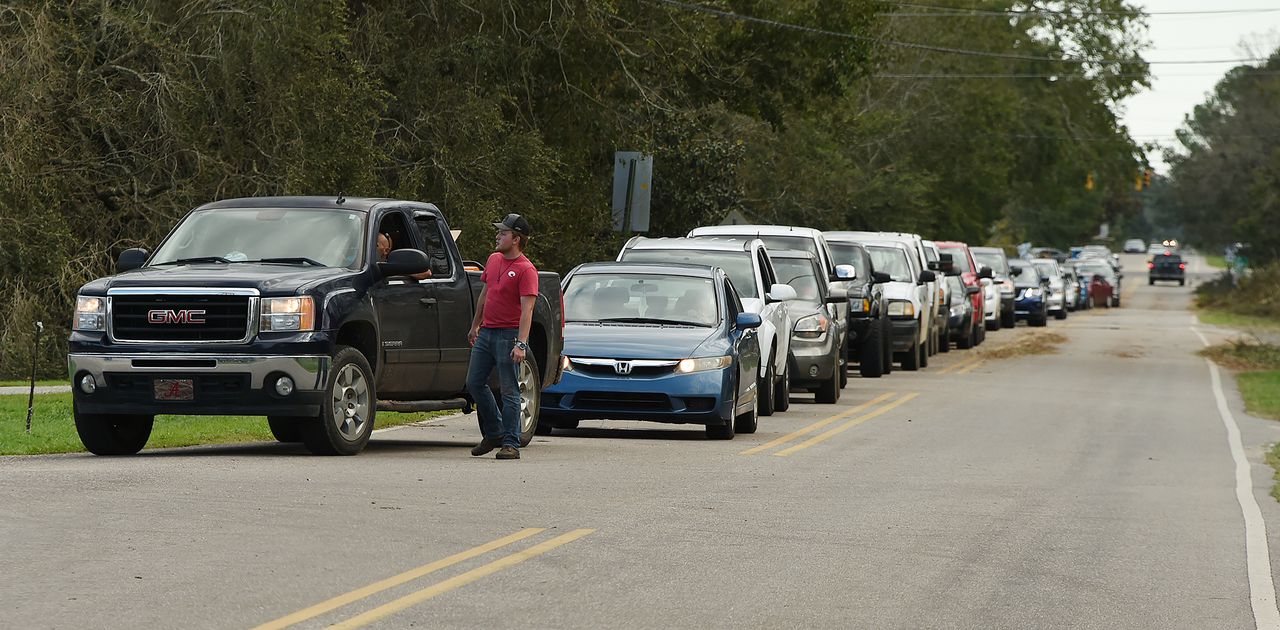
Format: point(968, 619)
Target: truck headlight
point(901, 308)
point(859, 306)
point(287, 314)
point(703, 364)
point(812, 328)
point(91, 314)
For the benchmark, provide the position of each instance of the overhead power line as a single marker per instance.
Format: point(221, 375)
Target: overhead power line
point(730, 15)
point(977, 12)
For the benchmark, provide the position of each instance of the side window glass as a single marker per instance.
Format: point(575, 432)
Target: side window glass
point(432, 233)
point(393, 234)
point(766, 271)
point(731, 299)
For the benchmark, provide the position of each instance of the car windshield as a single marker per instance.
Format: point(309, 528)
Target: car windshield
point(850, 254)
point(800, 274)
point(1090, 270)
point(892, 261)
point(1029, 276)
point(999, 265)
point(641, 298)
point(958, 258)
point(1046, 268)
point(957, 289)
point(735, 263)
point(306, 235)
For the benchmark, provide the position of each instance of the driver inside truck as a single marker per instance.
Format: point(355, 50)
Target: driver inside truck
point(385, 246)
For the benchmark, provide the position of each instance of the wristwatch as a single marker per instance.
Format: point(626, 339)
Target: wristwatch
point(522, 345)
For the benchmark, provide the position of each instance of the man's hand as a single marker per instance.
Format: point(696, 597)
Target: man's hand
point(517, 354)
point(472, 334)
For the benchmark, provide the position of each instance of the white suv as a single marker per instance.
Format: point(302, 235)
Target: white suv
point(747, 264)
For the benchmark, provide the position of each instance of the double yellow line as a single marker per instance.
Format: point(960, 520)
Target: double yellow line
point(830, 433)
point(961, 367)
point(433, 590)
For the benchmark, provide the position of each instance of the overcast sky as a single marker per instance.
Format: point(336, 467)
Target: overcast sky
point(1175, 89)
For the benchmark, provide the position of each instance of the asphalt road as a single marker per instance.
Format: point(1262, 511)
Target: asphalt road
point(1091, 488)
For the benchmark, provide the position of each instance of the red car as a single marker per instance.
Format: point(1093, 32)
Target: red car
point(1101, 291)
point(971, 275)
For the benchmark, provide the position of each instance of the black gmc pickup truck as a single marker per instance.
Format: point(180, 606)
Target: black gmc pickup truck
point(285, 307)
point(1167, 266)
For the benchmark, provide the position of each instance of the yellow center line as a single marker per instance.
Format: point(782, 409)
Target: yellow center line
point(969, 367)
point(460, 580)
point(817, 425)
point(822, 437)
point(396, 580)
point(956, 366)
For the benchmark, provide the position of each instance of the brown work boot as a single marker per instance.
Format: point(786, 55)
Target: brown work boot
point(508, 452)
point(485, 445)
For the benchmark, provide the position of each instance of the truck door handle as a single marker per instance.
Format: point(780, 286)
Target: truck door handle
point(427, 301)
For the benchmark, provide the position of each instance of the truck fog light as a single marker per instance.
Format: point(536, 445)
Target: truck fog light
point(284, 386)
point(87, 384)
point(813, 370)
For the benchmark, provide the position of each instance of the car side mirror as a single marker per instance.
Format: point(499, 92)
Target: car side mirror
point(947, 264)
point(881, 277)
point(781, 293)
point(1015, 271)
point(837, 295)
point(985, 273)
point(972, 290)
point(404, 262)
point(846, 272)
point(927, 276)
point(748, 320)
point(131, 258)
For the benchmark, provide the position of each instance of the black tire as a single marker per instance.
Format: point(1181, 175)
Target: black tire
point(746, 423)
point(1182, 282)
point(782, 392)
point(871, 355)
point(530, 383)
point(723, 431)
point(886, 343)
point(829, 392)
point(1060, 315)
point(287, 429)
point(1115, 301)
point(965, 341)
point(1151, 281)
point(113, 434)
point(844, 371)
point(911, 358)
point(1038, 320)
point(348, 410)
point(924, 357)
point(946, 342)
point(982, 335)
point(992, 324)
point(1008, 319)
point(764, 390)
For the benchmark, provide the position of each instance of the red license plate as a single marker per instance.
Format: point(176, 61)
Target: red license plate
point(175, 389)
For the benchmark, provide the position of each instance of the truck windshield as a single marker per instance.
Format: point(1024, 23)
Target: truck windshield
point(958, 258)
point(892, 261)
point(328, 237)
point(993, 260)
point(641, 298)
point(735, 263)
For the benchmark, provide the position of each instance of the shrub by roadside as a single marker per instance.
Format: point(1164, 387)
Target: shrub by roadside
point(1258, 294)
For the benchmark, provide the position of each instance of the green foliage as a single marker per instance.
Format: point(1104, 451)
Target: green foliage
point(1255, 294)
point(117, 118)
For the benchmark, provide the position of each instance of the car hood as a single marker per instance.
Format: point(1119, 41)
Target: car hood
point(266, 278)
point(900, 291)
point(632, 341)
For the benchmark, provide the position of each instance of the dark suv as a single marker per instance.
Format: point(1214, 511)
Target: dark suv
point(868, 339)
point(1167, 266)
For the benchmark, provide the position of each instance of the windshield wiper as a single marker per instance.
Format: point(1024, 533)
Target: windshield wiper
point(652, 320)
point(198, 259)
point(295, 260)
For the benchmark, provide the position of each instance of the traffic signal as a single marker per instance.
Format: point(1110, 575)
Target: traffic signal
point(1137, 183)
point(1088, 181)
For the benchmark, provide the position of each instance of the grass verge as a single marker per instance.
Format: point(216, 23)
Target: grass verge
point(39, 383)
point(1035, 343)
point(1259, 383)
point(53, 430)
point(1261, 393)
point(1219, 317)
point(1216, 261)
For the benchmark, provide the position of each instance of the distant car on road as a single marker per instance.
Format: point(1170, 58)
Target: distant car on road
point(1032, 303)
point(1057, 298)
point(1134, 246)
point(960, 328)
point(1167, 266)
point(1104, 282)
point(867, 337)
point(816, 345)
point(995, 258)
point(657, 342)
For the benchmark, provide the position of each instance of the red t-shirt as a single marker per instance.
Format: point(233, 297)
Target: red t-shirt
point(506, 281)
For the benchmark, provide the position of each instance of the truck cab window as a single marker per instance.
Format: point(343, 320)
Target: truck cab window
point(432, 232)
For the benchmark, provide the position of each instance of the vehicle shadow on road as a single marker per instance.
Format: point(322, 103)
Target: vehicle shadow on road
point(683, 435)
point(273, 448)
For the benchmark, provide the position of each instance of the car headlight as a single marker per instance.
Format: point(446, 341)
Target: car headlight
point(812, 327)
point(957, 311)
point(703, 364)
point(859, 306)
point(566, 364)
point(91, 314)
point(288, 314)
point(1032, 293)
point(901, 308)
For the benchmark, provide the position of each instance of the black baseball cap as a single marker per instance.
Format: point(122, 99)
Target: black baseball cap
point(515, 223)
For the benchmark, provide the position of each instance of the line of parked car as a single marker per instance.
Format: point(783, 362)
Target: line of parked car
point(726, 324)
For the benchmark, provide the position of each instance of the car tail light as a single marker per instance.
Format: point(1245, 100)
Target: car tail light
point(1151, 265)
point(1182, 265)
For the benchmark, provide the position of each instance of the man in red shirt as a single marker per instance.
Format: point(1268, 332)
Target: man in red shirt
point(500, 334)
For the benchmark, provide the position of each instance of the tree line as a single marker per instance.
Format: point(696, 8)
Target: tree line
point(117, 117)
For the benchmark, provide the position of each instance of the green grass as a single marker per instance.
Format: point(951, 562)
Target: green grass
point(1216, 261)
point(1219, 317)
point(1261, 393)
point(53, 429)
point(39, 383)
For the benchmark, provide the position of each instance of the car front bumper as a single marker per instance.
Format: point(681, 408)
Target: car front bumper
point(812, 362)
point(905, 332)
point(697, 398)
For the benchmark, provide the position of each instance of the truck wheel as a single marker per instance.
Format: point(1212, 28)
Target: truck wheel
point(886, 344)
point(829, 392)
point(843, 366)
point(113, 434)
point(347, 411)
point(944, 344)
point(287, 428)
point(782, 391)
point(965, 341)
point(924, 356)
point(911, 358)
point(1008, 319)
point(871, 355)
point(764, 391)
point(1060, 315)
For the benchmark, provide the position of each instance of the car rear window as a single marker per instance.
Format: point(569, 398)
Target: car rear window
point(736, 264)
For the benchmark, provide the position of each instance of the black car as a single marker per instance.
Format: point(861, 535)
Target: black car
point(1167, 266)
point(868, 338)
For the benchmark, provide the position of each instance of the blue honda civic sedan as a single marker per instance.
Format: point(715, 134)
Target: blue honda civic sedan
point(659, 342)
point(1032, 291)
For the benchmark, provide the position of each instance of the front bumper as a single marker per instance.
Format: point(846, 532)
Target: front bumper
point(222, 384)
point(905, 332)
point(697, 398)
point(859, 331)
point(811, 362)
point(1029, 306)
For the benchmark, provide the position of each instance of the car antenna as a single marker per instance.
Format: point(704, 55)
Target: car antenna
point(342, 198)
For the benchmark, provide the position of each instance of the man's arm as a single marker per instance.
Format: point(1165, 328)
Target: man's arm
point(479, 316)
point(526, 321)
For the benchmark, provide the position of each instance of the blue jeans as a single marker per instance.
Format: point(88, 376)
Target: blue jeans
point(493, 351)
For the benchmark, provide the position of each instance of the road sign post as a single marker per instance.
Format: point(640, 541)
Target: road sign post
point(632, 187)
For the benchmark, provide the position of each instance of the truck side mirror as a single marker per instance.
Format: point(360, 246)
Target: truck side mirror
point(846, 272)
point(947, 264)
point(985, 272)
point(131, 258)
point(971, 290)
point(404, 262)
point(881, 277)
point(927, 276)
